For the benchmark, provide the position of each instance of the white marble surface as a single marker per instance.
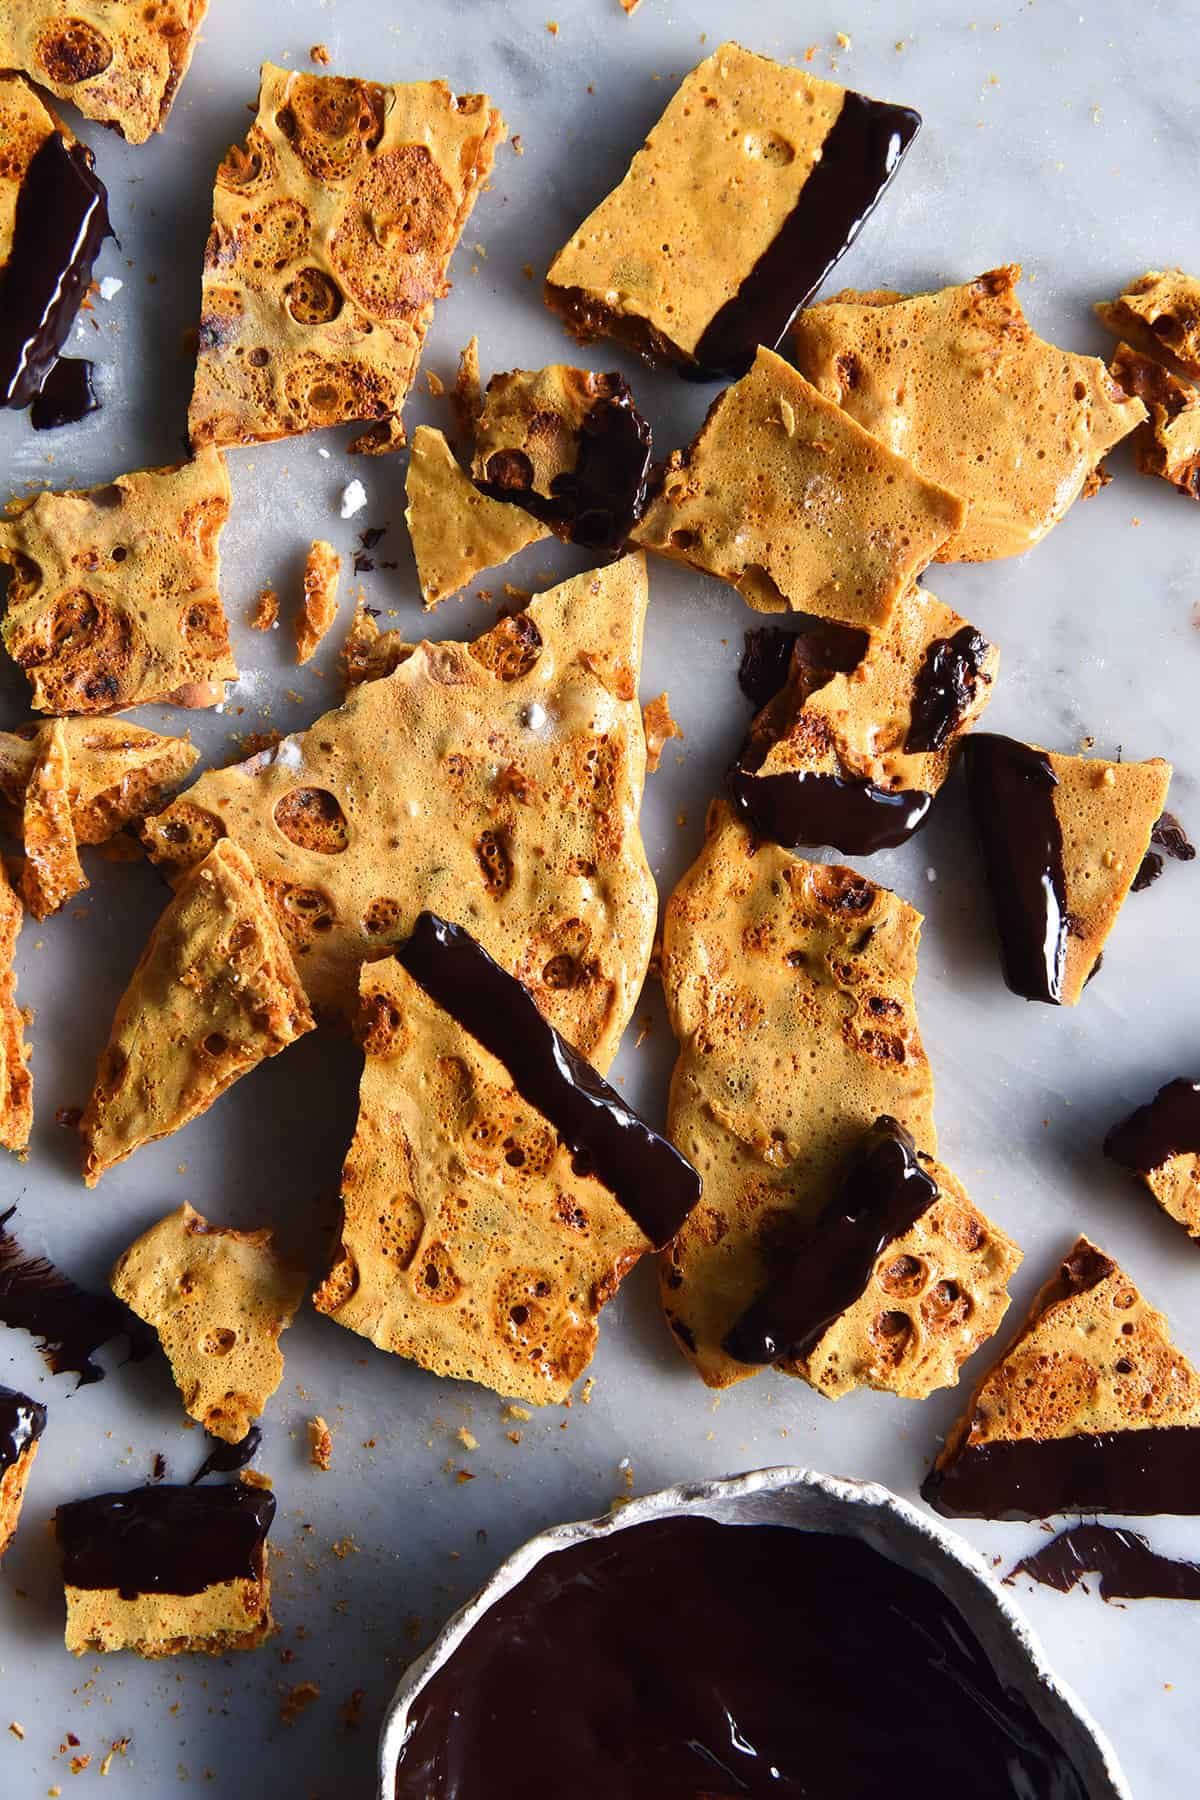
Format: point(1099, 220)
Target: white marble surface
point(1067, 140)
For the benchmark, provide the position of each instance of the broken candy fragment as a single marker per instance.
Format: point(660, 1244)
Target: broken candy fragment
point(120, 63)
point(22, 1422)
point(457, 530)
point(1160, 315)
point(1161, 1143)
point(1168, 444)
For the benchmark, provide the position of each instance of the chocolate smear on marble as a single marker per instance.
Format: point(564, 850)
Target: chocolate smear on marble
point(1128, 1568)
point(227, 1459)
point(71, 1323)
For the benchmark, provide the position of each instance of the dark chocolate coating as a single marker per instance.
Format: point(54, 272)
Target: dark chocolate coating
point(61, 222)
point(656, 1185)
point(1128, 1568)
point(67, 395)
point(945, 688)
point(72, 1324)
point(1154, 1470)
point(687, 1660)
point(1011, 786)
point(823, 647)
point(859, 157)
point(227, 1459)
point(801, 810)
point(22, 1422)
point(1169, 1125)
point(164, 1540)
point(884, 1193)
point(1169, 836)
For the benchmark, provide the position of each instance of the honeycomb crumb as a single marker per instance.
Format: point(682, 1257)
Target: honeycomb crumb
point(467, 1439)
point(659, 727)
point(587, 1390)
point(514, 1437)
point(17, 1729)
point(296, 1700)
point(266, 610)
point(257, 1478)
point(464, 1475)
point(435, 384)
point(320, 1443)
point(319, 53)
point(517, 1412)
point(118, 1748)
point(80, 1763)
point(344, 1547)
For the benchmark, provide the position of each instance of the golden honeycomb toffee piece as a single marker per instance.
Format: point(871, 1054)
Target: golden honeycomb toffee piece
point(1161, 1142)
point(1091, 1408)
point(219, 1300)
point(22, 1422)
point(1168, 444)
point(497, 783)
point(782, 494)
point(214, 992)
point(16, 1083)
point(118, 61)
point(1160, 315)
point(742, 198)
point(52, 873)
point(497, 1190)
point(960, 383)
point(333, 226)
point(113, 597)
point(318, 605)
point(852, 749)
point(789, 988)
point(457, 530)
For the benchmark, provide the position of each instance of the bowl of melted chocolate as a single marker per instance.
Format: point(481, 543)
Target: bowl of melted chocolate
point(778, 1634)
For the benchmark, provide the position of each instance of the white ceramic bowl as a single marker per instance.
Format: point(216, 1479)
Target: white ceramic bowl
point(808, 1501)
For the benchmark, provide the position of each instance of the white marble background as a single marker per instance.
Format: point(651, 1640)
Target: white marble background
point(1067, 140)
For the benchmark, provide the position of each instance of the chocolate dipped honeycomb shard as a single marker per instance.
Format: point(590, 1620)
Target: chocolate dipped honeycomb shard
point(52, 873)
point(118, 61)
point(16, 1083)
point(852, 758)
point(318, 605)
point(497, 783)
point(1159, 314)
point(53, 220)
point(752, 184)
point(113, 597)
point(214, 992)
point(497, 1190)
point(1091, 1408)
point(789, 986)
point(1062, 840)
point(782, 494)
point(167, 1570)
point(219, 1300)
point(22, 1422)
point(1168, 444)
point(1161, 1142)
point(959, 382)
point(116, 771)
point(898, 1282)
point(333, 226)
point(457, 531)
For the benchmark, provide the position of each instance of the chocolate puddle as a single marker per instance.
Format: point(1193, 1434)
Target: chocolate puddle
point(859, 157)
point(1010, 787)
point(801, 810)
point(656, 1186)
point(1153, 1470)
point(1128, 1568)
point(61, 221)
point(72, 1324)
point(22, 1422)
point(884, 1193)
point(686, 1660)
point(164, 1540)
point(227, 1459)
point(1169, 1125)
point(66, 396)
point(945, 688)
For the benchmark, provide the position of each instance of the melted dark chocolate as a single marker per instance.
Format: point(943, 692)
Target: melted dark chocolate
point(1155, 1470)
point(859, 157)
point(226, 1459)
point(164, 1540)
point(822, 649)
point(653, 1182)
point(1011, 790)
point(884, 1193)
point(22, 1422)
point(1168, 835)
point(801, 810)
point(66, 396)
point(61, 222)
point(945, 688)
point(72, 1324)
point(600, 501)
point(686, 1660)
point(1128, 1568)
point(1169, 1125)
point(1149, 870)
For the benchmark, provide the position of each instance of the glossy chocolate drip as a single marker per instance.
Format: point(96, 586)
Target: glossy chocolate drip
point(67, 395)
point(72, 1324)
point(686, 1660)
point(802, 810)
point(1149, 870)
point(859, 157)
point(61, 222)
point(1168, 835)
point(22, 1422)
point(884, 1193)
point(227, 1459)
point(164, 1540)
point(598, 503)
point(1169, 1125)
point(1128, 1568)
point(1011, 790)
point(945, 688)
point(1156, 1470)
point(814, 653)
point(645, 1173)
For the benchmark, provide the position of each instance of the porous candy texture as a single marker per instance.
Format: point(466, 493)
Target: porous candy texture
point(118, 61)
point(1168, 444)
point(333, 226)
point(1160, 314)
point(496, 783)
point(16, 1083)
point(116, 771)
point(456, 531)
point(318, 606)
point(12, 1492)
point(25, 124)
point(52, 873)
point(229, 1615)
